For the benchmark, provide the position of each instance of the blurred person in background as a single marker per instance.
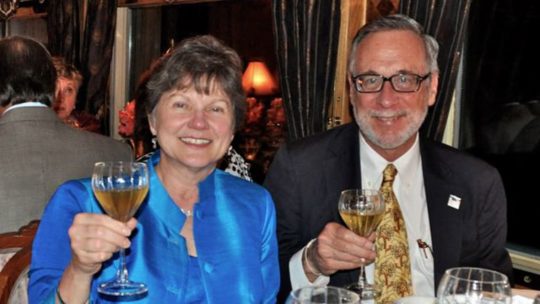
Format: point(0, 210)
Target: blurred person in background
point(68, 82)
point(39, 150)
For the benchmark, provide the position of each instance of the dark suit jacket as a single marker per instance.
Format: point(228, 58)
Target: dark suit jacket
point(39, 152)
point(306, 177)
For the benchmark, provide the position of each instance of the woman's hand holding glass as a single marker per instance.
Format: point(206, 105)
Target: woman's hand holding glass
point(120, 188)
point(95, 238)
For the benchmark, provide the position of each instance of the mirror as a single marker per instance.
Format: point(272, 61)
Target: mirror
point(145, 32)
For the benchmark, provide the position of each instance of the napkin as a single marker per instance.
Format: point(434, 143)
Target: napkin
point(521, 300)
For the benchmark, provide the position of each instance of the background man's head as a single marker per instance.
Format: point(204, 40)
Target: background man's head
point(27, 72)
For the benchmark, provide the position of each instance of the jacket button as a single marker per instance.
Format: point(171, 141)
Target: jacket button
point(208, 268)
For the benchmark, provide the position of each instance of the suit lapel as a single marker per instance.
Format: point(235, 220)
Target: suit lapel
point(342, 171)
point(342, 165)
point(445, 221)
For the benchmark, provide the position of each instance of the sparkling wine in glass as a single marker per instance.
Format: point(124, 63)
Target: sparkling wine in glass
point(362, 210)
point(470, 285)
point(120, 188)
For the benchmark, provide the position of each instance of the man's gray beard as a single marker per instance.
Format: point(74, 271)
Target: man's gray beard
point(395, 141)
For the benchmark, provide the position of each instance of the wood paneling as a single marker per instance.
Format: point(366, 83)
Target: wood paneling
point(353, 16)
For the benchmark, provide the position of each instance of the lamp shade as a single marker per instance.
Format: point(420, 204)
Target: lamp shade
point(257, 80)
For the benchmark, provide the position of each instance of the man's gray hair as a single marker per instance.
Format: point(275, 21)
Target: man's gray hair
point(398, 22)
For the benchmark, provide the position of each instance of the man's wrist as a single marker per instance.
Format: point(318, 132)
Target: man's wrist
point(309, 267)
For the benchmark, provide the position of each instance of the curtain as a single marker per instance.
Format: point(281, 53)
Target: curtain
point(63, 30)
point(97, 54)
point(67, 21)
point(306, 40)
point(445, 20)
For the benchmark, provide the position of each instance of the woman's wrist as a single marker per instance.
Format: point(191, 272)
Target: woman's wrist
point(74, 286)
point(60, 300)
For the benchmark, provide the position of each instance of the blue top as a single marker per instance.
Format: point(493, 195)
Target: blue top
point(234, 229)
point(194, 289)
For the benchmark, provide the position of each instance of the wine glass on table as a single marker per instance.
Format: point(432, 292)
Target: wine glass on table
point(120, 188)
point(470, 285)
point(362, 210)
point(322, 295)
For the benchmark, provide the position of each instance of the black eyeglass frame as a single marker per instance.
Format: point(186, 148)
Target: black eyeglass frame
point(419, 80)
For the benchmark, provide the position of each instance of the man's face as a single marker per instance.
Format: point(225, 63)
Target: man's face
point(389, 120)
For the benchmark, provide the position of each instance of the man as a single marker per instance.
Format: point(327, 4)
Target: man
point(453, 205)
point(38, 150)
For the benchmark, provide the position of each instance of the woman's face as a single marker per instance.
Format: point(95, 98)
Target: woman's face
point(66, 96)
point(194, 130)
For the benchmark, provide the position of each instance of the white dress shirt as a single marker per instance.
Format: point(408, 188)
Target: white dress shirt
point(409, 189)
point(28, 104)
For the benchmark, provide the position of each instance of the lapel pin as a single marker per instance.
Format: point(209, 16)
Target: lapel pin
point(454, 201)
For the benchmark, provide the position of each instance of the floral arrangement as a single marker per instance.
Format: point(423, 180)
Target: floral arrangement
point(126, 116)
point(263, 132)
point(275, 119)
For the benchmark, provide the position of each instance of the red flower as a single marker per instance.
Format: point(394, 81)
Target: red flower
point(126, 126)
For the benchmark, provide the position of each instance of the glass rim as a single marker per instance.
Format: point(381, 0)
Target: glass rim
point(496, 276)
point(320, 287)
point(297, 293)
point(368, 191)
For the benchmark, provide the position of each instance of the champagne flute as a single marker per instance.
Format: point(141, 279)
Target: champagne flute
point(120, 187)
point(322, 295)
point(362, 210)
point(469, 285)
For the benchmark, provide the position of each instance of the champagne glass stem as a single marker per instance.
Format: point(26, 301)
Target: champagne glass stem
point(122, 274)
point(362, 278)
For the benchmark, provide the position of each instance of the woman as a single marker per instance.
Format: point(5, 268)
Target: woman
point(68, 82)
point(134, 128)
point(202, 236)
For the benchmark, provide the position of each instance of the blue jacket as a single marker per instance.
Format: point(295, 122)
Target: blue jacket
point(234, 229)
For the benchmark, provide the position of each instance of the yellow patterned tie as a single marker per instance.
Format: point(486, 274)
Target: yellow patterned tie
point(392, 265)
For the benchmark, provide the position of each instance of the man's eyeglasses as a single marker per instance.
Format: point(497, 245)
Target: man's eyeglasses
point(403, 83)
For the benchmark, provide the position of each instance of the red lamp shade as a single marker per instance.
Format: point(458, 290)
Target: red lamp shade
point(258, 81)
